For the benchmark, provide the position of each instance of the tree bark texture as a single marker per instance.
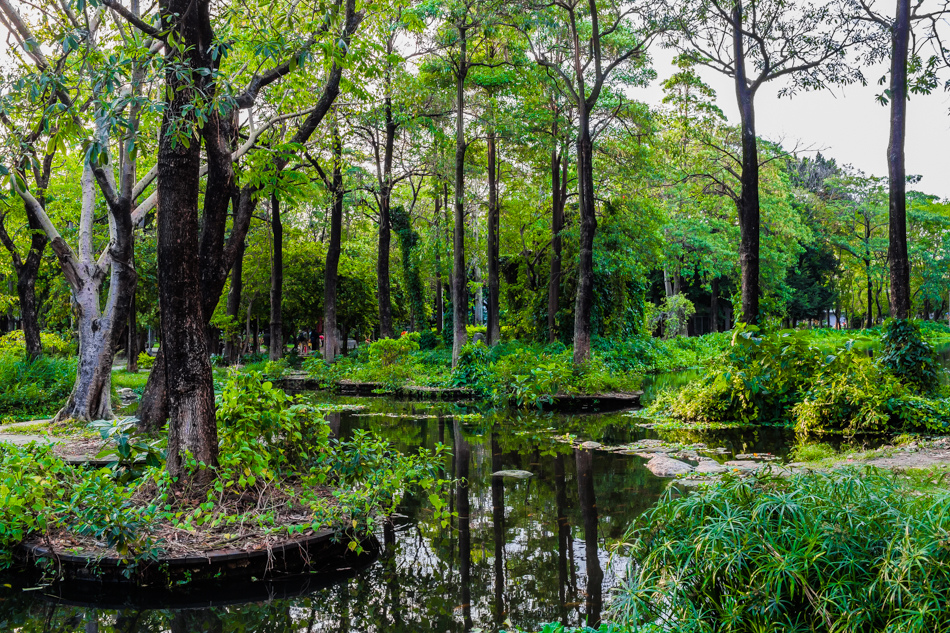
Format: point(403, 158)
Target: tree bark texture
point(232, 346)
point(276, 350)
point(714, 305)
point(217, 256)
point(584, 302)
point(494, 219)
point(459, 287)
point(385, 226)
point(192, 430)
point(896, 172)
point(331, 271)
point(558, 198)
point(748, 205)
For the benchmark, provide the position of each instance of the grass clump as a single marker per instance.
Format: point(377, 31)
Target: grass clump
point(843, 551)
point(34, 388)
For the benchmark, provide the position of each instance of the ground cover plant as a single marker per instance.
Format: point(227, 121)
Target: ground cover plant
point(783, 378)
point(842, 551)
point(279, 474)
point(34, 388)
point(524, 374)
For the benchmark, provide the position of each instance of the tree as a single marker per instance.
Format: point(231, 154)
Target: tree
point(115, 111)
point(804, 43)
point(591, 55)
point(908, 73)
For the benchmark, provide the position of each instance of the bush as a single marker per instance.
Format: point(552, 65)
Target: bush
point(844, 551)
point(53, 344)
point(782, 378)
point(908, 357)
point(146, 360)
point(34, 388)
point(532, 376)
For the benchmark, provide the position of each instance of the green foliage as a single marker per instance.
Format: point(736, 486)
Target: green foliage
point(671, 315)
point(845, 551)
point(34, 388)
point(808, 452)
point(908, 357)
point(146, 360)
point(133, 452)
point(531, 375)
point(785, 378)
point(41, 492)
point(272, 447)
point(646, 354)
point(53, 344)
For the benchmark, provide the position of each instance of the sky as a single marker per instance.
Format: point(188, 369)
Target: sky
point(846, 124)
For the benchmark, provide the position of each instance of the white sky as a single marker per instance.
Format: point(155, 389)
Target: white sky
point(847, 124)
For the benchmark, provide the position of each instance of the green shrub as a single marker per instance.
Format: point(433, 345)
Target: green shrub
point(53, 344)
point(811, 452)
point(146, 360)
point(34, 388)
point(906, 355)
point(844, 551)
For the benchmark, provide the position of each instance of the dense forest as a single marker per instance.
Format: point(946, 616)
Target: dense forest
point(220, 176)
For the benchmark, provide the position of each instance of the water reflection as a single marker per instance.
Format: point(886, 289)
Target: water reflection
point(523, 551)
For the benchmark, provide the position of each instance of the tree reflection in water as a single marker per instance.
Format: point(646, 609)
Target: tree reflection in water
point(513, 554)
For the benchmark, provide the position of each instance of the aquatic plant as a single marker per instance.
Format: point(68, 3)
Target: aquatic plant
point(844, 551)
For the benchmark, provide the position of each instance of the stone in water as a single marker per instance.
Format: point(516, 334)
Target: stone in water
point(517, 474)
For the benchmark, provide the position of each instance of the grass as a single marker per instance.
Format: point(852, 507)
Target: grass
point(842, 551)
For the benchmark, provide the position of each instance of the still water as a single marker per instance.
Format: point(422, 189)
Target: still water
point(521, 552)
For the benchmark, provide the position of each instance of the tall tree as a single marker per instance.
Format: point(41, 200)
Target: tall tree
point(908, 73)
point(804, 43)
point(600, 43)
point(114, 112)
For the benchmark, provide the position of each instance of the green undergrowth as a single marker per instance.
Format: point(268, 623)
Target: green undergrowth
point(783, 378)
point(842, 551)
point(279, 474)
point(34, 388)
point(510, 372)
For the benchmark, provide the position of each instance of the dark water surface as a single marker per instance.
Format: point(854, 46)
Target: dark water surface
point(522, 551)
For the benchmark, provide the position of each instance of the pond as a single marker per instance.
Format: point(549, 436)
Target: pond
point(521, 552)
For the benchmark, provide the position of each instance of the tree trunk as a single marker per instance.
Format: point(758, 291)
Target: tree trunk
point(748, 205)
point(870, 317)
point(439, 299)
point(132, 346)
point(584, 301)
point(896, 176)
point(558, 196)
point(494, 213)
point(385, 225)
point(188, 379)
point(29, 309)
point(232, 347)
point(276, 350)
point(714, 305)
point(330, 277)
point(459, 288)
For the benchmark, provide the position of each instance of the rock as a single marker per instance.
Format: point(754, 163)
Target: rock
point(516, 474)
point(663, 466)
point(690, 455)
point(710, 468)
point(757, 456)
point(478, 337)
point(743, 464)
point(591, 445)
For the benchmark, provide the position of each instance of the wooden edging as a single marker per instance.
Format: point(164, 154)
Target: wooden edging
point(323, 551)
